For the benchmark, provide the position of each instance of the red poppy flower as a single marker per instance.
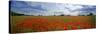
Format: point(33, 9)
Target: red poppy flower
point(65, 28)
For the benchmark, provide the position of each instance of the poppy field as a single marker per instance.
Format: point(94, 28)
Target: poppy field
point(21, 24)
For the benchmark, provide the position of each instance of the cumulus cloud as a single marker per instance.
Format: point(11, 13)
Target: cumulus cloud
point(46, 9)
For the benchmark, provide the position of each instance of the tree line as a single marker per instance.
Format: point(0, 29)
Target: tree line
point(17, 14)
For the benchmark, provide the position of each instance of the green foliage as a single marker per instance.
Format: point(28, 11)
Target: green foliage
point(78, 27)
point(66, 20)
point(69, 27)
point(90, 14)
point(15, 14)
point(62, 15)
point(93, 19)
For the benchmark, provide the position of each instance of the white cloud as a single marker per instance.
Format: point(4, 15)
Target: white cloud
point(53, 8)
point(84, 2)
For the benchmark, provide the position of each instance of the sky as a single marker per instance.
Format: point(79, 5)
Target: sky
point(47, 8)
point(86, 2)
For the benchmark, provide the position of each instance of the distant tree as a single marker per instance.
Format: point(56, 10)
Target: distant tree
point(15, 14)
point(39, 15)
point(54, 15)
point(81, 15)
point(90, 14)
point(62, 15)
point(68, 15)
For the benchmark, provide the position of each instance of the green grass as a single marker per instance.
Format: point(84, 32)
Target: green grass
point(93, 19)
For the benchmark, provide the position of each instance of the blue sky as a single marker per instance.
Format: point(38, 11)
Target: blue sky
point(46, 9)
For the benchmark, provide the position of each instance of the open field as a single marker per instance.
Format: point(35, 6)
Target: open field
point(21, 24)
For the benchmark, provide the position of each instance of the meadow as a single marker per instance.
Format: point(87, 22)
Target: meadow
point(23, 24)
